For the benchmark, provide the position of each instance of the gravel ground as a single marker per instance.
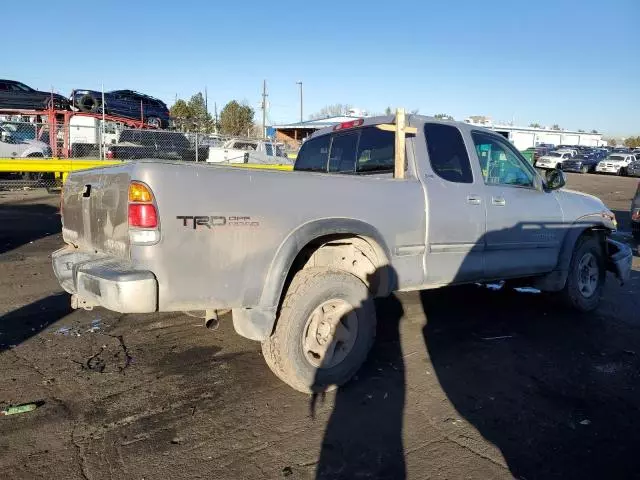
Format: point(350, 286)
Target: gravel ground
point(462, 383)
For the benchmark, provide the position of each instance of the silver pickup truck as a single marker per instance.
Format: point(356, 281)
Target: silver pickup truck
point(298, 256)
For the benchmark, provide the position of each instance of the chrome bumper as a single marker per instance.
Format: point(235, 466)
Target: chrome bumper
point(98, 280)
point(620, 259)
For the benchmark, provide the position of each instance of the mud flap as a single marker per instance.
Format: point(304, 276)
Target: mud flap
point(619, 260)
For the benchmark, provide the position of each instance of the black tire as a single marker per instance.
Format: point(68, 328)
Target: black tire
point(620, 172)
point(89, 103)
point(572, 293)
point(154, 122)
point(284, 351)
point(584, 169)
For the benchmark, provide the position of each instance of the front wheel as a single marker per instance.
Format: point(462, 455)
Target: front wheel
point(584, 169)
point(324, 332)
point(587, 273)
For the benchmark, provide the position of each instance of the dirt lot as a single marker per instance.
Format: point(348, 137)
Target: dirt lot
point(462, 383)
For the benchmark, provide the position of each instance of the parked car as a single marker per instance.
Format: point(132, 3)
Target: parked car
point(135, 144)
point(582, 163)
point(538, 152)
point(17, 95)
point(553, 160)
point(14, 145)
point(635, 214)
point(298, 256)
point(249, 151)
point(633, 170)
point(615, 163)
point(572, 151)
point(123, 103)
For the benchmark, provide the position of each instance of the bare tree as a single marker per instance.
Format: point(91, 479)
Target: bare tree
point(330, 111)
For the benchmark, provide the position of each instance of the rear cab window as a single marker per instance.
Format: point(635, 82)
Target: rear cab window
point(357, 151)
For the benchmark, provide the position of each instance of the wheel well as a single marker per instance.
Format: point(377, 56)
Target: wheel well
point(360, 256)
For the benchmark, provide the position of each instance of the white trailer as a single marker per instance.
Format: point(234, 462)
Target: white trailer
point(85, 135)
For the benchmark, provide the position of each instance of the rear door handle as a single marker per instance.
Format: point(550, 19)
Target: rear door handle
point(498, 201)
point(474, 200)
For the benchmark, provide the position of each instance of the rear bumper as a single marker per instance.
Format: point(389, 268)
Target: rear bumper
point(619, 260)
point(102, 281)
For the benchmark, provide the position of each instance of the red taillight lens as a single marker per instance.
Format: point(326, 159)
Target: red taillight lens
point(143, 215)
point(351, 124)
point(110, 154)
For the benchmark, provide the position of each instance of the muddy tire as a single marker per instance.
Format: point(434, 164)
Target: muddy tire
point(587, 273)
point(324, 332)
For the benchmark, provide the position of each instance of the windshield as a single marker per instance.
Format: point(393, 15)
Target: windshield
point(554, 154)
point(17, 86)
point(615, 158)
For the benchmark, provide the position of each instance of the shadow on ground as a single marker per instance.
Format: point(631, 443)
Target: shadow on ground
point(24, 223)
point(557, 392)
point(26, 322)
point(363, 438)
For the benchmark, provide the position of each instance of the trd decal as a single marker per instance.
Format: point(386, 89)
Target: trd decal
point(214, 221)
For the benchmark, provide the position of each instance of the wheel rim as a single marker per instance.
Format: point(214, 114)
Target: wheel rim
point(330, 333)
point(588, 275)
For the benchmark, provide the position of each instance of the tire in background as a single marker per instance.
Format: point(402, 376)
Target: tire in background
point(89, 103)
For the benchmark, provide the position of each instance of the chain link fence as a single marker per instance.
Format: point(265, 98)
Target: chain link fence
point(89, 138)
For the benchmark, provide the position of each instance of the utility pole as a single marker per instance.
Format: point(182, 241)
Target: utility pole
point(301, 117)
point(215, 116)
point(264, 109)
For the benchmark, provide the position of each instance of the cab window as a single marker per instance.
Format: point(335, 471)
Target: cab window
point(500, 163)
point(342, 155)
point(447, 153)
point(313, 155)
point(376, 150)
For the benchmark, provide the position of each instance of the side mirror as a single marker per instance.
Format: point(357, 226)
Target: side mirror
point(555, 179)
point(5, 136)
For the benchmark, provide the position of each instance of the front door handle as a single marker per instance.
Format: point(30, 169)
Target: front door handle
point(498, 201)
point(474, 200)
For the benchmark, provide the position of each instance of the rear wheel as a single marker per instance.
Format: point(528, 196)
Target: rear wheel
point(586, 278)
point(324, 332)
point(89, 103)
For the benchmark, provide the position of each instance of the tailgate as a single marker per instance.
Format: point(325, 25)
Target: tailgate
point(95, 210)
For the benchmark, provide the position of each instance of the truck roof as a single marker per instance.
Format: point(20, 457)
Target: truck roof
point(412, 119)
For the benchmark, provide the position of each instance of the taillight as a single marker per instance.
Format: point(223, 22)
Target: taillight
point(142, 214)
point(110, 154)
point(350, 124)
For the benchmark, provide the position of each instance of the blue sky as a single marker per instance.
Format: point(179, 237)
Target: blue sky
point(574, 63)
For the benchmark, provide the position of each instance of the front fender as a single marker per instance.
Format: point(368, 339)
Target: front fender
point(556, 280)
